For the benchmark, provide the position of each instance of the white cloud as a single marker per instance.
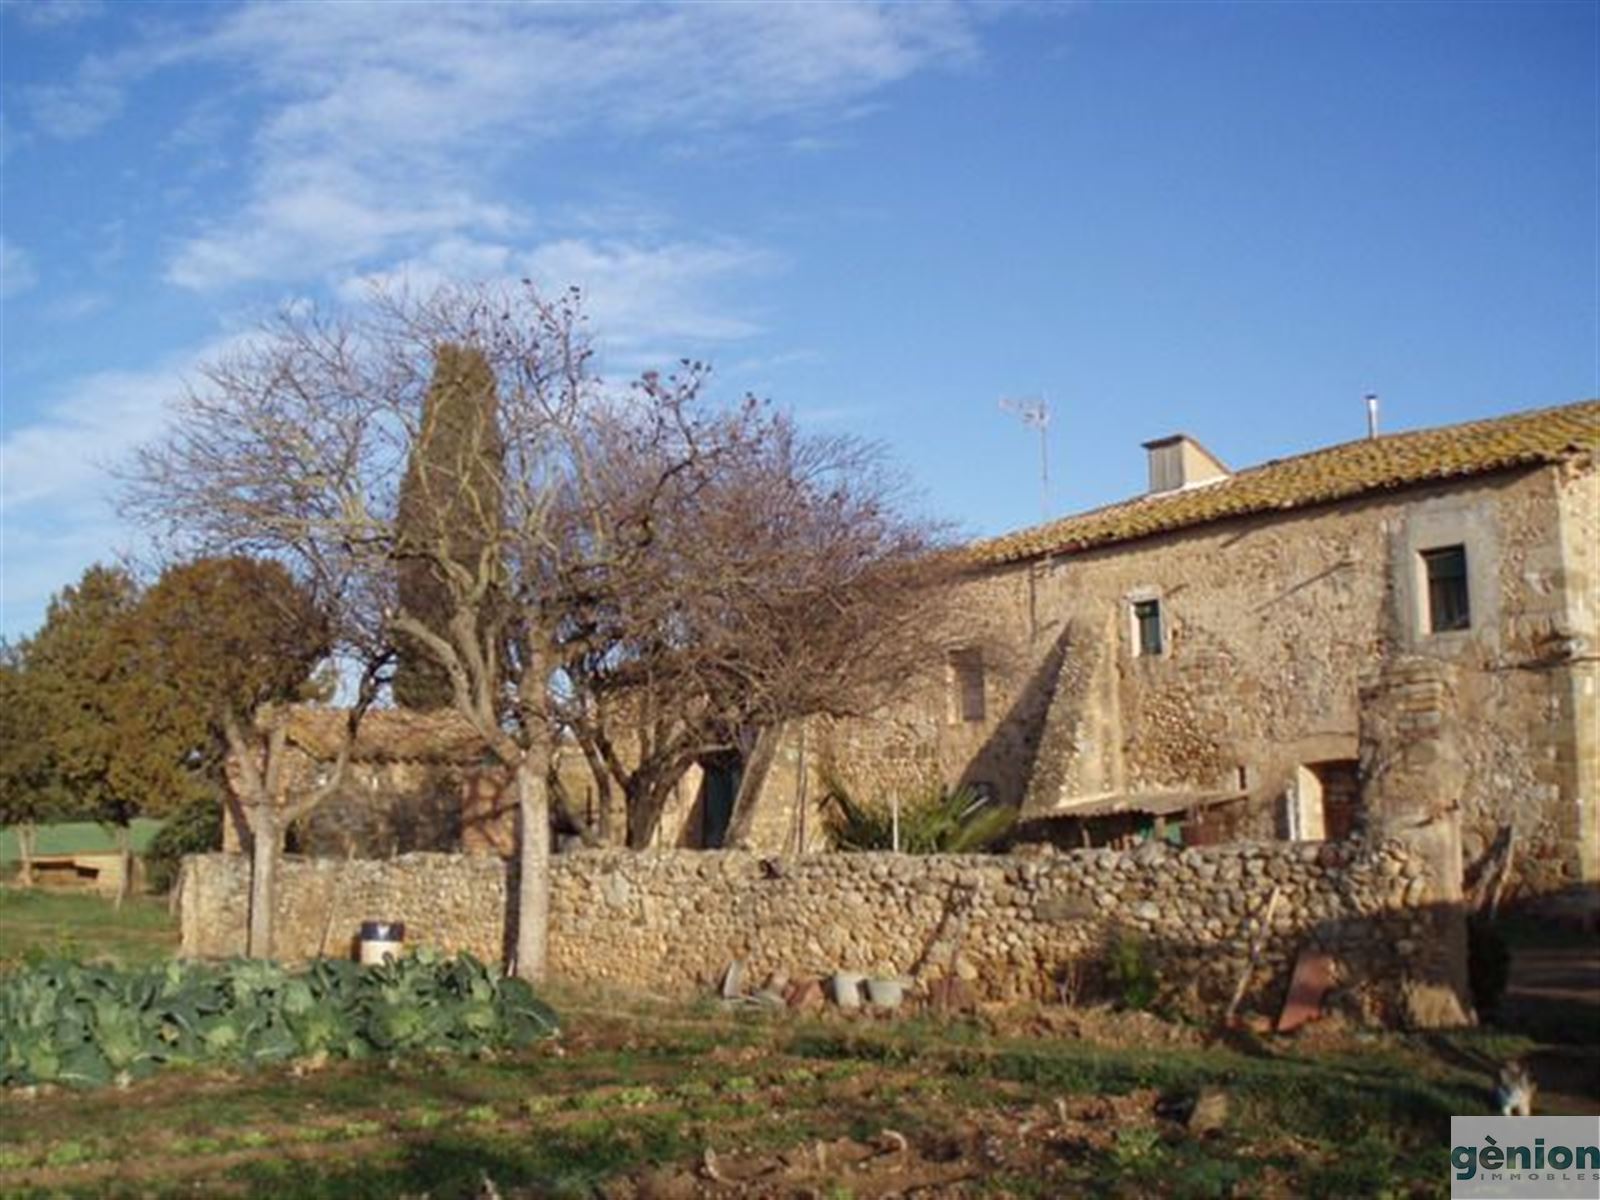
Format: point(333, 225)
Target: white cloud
point(55, 484)
point(17, 273)
point(48, 14)
point(313, 216)
point(385, 128)
point(638, 294)
point(74, 110)
point(645, 300)
point(92, 424)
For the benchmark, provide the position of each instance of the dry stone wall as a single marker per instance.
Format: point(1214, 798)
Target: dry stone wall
point(1014, 927)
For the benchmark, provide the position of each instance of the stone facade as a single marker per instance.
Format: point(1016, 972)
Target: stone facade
point(1016, 927)
point(1250, 697)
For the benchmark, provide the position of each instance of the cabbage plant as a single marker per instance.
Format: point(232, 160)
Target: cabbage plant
point(66, 1023)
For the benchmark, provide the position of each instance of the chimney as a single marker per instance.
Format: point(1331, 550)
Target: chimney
point(1372, 414)
point(1179, 461)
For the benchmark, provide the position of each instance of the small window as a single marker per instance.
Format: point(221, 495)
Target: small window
point(966, 686)
point(1147, 625)
point(1446, 569)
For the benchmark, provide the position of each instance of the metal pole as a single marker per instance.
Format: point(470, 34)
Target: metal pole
point(1035, 414)
point(1044, 467)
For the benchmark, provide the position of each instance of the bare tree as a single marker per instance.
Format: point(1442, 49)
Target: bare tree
point(638, 570)
point(777, 578)
point(294, 446)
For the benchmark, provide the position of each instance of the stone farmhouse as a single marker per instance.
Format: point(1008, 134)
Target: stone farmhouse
point(1403, 627)
point(1396, 632)
point(404, 789)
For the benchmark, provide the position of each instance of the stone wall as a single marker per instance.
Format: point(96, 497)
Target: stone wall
point(1013, 926)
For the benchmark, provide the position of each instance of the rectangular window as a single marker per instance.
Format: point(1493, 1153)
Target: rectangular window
point(1147, 625)
point(966, 686)
point(1446, 569)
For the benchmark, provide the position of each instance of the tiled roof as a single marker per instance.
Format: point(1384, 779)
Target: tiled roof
point(386, 735)
point(1379, 464)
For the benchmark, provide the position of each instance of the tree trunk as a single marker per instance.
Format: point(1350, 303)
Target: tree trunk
point(533, 870)
point(751, 779)
point(263, 863)
point(124, 840)
point(26, 835)
point(605, 826)
point(644, 810)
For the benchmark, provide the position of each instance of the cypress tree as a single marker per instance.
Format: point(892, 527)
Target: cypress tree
point(450, 509)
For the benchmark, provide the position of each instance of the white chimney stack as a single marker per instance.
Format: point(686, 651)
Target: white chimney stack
point(1372, 414)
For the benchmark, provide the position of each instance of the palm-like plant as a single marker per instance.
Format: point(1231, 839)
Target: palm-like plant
point(936, 820)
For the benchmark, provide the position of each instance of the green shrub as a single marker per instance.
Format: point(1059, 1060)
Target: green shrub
point(65, 1023)
point(934, 821)
point(1130, 972)
point(194, 829)
point(1138, 1152)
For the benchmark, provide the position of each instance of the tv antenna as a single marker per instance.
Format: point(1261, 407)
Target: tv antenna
point(1035, 414)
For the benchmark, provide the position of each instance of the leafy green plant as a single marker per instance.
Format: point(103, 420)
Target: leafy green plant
point(1130, 972)
point(85, 1026)
point(936, 820)
point(1138, 1151)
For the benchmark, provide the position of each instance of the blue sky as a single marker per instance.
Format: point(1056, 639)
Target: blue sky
point(1231, 220)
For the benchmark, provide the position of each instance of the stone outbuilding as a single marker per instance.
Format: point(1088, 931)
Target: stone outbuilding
point(410, 784)
point(425, 781)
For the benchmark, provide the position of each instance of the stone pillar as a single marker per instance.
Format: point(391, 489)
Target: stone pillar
point(1413, 775)
point(1080, 745)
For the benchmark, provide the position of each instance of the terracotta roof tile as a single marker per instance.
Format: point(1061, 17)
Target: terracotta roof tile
point(1379, 464)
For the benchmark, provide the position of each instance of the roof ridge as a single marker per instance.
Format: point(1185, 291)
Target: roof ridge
point(1378, 463)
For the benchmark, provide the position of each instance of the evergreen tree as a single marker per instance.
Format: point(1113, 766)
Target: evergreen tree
point(76, 675)
point(218, 645)
point(31, 791)
point(450, 510)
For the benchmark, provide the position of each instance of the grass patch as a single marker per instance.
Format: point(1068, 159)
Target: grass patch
point(78, 837)
point(38, 923)
point(565, 1125)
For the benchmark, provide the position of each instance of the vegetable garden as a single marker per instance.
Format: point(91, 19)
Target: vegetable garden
point(88, 1026)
